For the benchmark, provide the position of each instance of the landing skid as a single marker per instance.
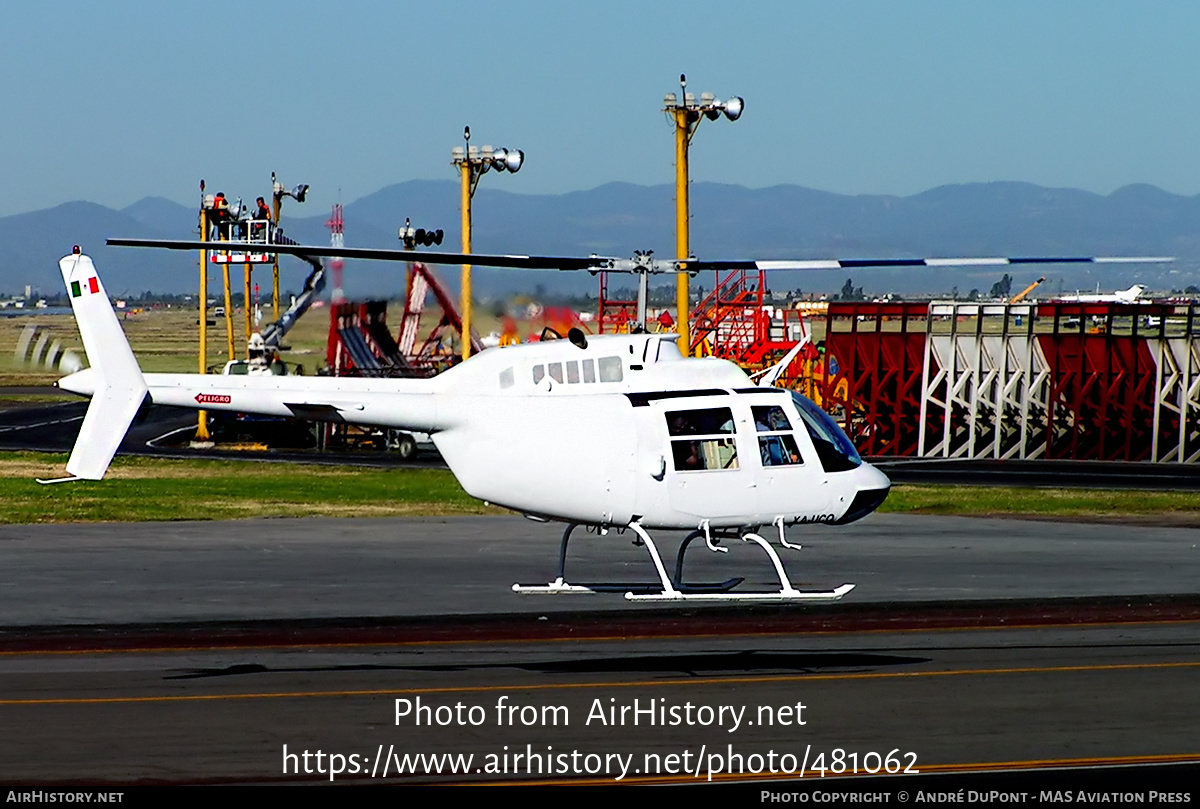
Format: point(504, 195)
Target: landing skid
point(675, 589)
point(561, 585)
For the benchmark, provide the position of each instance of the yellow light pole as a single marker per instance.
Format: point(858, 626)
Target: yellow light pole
point(229, 350)
point(687, 114)
point(473, 163)
point(202, 435)
point(276, 206)
point(249, 306)
point(683, 134)
point(469, 179)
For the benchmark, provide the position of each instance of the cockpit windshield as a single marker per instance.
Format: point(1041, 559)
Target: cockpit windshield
point(835, 450)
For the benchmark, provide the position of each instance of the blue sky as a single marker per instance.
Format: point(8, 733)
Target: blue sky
point(114, 101)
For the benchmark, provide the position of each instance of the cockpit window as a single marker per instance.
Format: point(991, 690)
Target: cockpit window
point(776, 444)
point(708, 441)
point(770, 419)
point(835, 450)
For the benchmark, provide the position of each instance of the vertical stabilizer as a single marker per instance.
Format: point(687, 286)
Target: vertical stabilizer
point(119, 385)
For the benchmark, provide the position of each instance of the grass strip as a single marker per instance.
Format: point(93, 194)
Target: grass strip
point(146, 489)
point(149, 489)
point(1075, 504)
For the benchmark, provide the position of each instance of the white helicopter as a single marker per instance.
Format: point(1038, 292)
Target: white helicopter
point(670, 443)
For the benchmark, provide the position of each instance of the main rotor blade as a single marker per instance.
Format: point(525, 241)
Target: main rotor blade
point(855, 263)
point(425, 256)
point(641, 263)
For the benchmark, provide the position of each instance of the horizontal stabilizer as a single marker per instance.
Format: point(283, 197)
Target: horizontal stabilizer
point(104, 427)
point(332, 411)
point(49, 481)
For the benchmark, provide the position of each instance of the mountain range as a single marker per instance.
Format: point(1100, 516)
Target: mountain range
point(728, 221)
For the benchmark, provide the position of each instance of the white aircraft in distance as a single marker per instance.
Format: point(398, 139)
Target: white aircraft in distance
point(1130, 295)
point(611, 432)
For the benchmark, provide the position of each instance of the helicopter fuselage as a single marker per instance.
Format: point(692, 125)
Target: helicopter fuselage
point(604, 431)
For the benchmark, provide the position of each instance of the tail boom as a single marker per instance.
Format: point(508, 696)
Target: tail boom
point(119, 389)
point(408, 404)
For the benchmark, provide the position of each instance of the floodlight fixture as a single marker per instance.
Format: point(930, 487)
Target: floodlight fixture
point(419, 237)
point(708, 106)
point(298, 193)
point(481, 160)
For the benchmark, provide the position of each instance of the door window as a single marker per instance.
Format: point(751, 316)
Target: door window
point(702, 439)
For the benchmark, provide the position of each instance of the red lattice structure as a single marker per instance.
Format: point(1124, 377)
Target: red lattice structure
point(615, 315)
point(1111, 382)
point(1102, 383)
point(736, 322)
point(871, 378)
point(361, 344)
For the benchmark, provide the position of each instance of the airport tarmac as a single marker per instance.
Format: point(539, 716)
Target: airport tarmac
point(328, 568)
point(114, 669)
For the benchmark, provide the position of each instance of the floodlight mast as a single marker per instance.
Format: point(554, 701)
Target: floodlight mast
point(473, 163)
point(687, 114)
point(277, 194)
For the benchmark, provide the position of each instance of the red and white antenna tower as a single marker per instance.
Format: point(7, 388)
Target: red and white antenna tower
point(335, 240)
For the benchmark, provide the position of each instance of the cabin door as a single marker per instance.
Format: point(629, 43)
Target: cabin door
point(705, 474)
